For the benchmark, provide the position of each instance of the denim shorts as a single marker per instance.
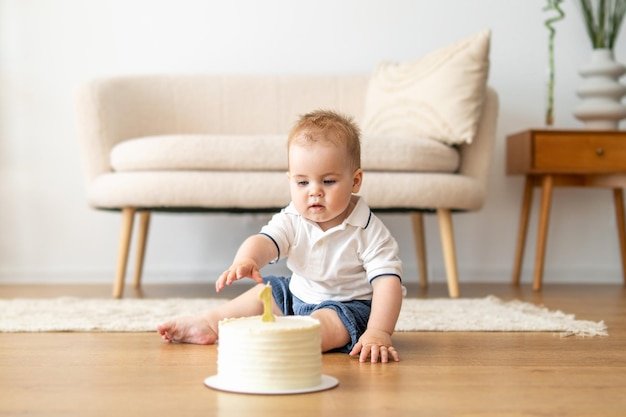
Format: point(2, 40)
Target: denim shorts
point(353, 314)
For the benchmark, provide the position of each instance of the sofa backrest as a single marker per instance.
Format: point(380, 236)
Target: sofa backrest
point(115, 109)
point(221, 104)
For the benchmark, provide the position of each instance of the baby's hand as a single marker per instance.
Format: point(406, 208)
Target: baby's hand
point(237, 271)
point(377, 345)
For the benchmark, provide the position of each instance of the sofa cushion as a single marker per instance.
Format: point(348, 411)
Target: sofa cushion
point(438, 96)
point(269, 191)
point(201, 152)
point(404, 154)
point(269, 153)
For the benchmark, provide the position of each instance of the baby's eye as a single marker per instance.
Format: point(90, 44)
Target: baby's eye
point(329, 182)
point(302, 183)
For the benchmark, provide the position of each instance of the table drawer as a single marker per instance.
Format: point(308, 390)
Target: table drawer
point(579, 153)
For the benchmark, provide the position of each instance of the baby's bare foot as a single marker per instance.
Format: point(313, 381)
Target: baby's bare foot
point(196, 330)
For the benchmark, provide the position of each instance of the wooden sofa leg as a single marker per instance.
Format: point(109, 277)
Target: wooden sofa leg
point(144, 225)
point(128, 216)
point(449, 253)
point(420, 247)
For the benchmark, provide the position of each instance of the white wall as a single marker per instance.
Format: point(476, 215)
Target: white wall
point(48, 234)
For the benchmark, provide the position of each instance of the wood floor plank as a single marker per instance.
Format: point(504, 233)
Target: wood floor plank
point(440, 374)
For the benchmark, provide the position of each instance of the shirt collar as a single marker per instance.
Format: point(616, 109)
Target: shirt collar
point(361, 213)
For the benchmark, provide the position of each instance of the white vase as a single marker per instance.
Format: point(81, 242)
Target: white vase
point(601, 92)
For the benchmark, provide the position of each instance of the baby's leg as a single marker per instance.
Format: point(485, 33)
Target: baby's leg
point(334, 333)
point(203, 329)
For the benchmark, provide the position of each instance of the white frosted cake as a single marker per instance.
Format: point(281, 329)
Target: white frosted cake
point(269, 356)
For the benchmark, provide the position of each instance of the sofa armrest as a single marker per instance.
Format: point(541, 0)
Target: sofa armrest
point(115, 109)
point(476, 157)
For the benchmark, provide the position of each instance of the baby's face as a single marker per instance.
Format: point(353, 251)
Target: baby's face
point(322, 182)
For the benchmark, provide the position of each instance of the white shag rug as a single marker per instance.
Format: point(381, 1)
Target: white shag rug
point(488, 314)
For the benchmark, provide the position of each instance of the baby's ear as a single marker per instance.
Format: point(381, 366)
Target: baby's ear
point(357, 180)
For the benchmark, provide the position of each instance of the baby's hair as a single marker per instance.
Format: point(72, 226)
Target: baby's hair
point(328, 127)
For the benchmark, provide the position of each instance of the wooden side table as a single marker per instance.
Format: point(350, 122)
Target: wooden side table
point(552, 158)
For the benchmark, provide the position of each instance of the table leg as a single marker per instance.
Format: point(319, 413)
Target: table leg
point(618, 199)
point(527, 200)
point(542, 236)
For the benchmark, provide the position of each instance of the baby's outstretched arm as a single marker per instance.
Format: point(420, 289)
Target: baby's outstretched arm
point(253, 254)
point(386, 303)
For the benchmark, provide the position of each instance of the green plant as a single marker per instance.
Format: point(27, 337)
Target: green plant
point(603, 19)
point(552, 5)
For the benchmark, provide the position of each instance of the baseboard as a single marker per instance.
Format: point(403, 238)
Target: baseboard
point(589, 275)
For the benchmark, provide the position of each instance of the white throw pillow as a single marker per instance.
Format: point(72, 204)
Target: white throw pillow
point(439, 96)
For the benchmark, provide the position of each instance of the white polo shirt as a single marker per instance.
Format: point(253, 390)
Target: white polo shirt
point(338, 264)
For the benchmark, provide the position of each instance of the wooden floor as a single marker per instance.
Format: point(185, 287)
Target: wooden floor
point(440, 374)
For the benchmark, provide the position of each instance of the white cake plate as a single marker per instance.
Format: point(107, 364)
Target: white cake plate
point(328, 382)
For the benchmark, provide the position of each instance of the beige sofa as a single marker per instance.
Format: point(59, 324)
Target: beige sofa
point(218, 143)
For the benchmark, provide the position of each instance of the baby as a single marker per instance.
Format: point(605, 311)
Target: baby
point(344, 263)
